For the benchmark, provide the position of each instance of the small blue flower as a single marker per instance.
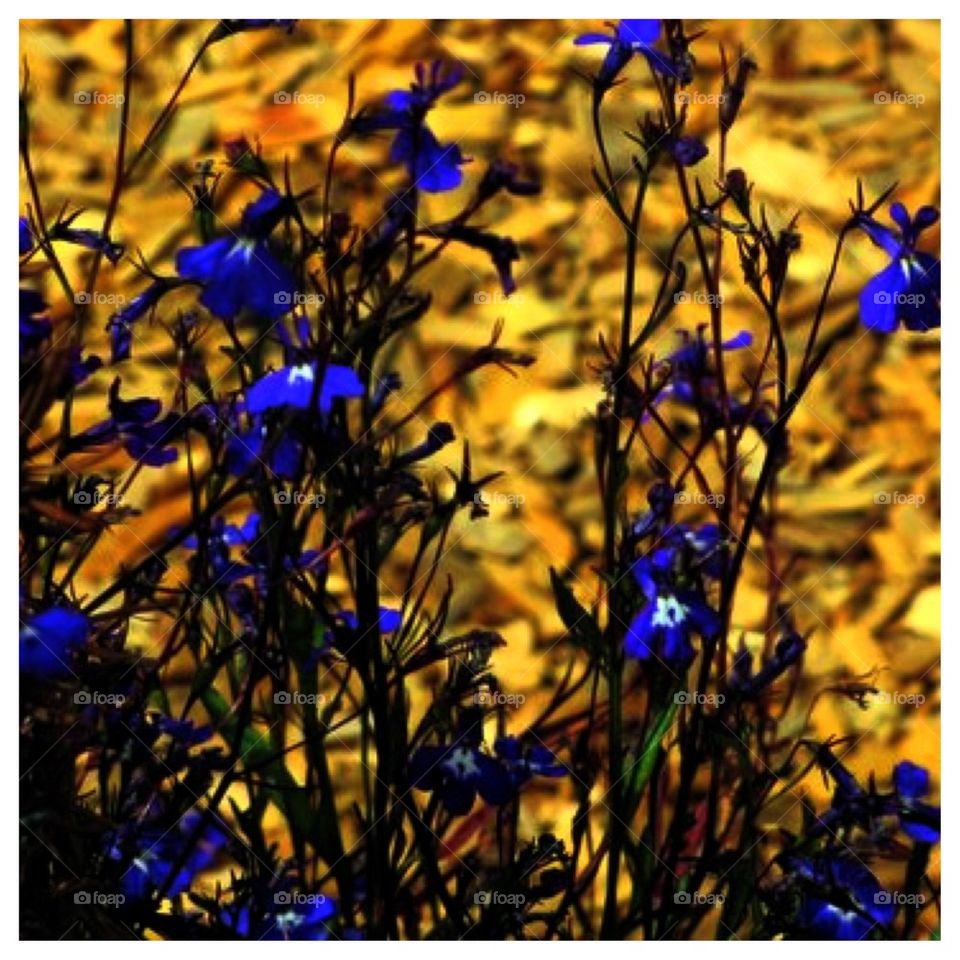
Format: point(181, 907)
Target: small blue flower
point(669, 615)
point(629, 37)
point(26, 236)
point(48, 639)
point(157, 849)
point(433, 166)
point(134, 423)
point(242, 272)
point(457, 773)
point(390, 620)
point(304, 918)
point(34, 329)
point(523, 762)
point(687, 151)
point(120, 325)
point(843, 899)
point(919, 820)
point(294, 386)
point(908, 289)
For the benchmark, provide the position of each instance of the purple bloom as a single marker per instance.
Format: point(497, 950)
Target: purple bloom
point(242, 272)
point(457, 773)
point(669, 615)
point(120, 325)
point(47, 640)
point(919, 820)
point(33, 328)
point(433, 166)
point(26, 236)
point(629, 37)
point(294, 386)
point(136, 425)
point(687, 151)
point(908, 289)
point(843, 899)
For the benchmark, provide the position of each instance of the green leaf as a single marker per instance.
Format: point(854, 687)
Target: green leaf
point(638, 773)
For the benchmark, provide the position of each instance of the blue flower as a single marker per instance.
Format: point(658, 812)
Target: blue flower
point(687, 151)
point(294, 385)
point(390, 620)
point(433, 166)
point(920, 821)
point(134, 423)
point(669, 615)
point(120, 325)
point(629, 37)
point(523, 762)
point(305, 918)
point(245, 450)
point(843, 900)
point(157, 849)
point(908, 289)
point(33, 328)
point(48, 639)
point(457, 773)
point(242, 272)
point(26, 236)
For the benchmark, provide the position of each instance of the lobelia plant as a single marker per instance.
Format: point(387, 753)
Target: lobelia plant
point(307, 480)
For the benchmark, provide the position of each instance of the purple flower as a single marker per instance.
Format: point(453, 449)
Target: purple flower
point(48, 639)
point(295, 386)
point(919, 820)
point(136, 425)
point(433, 166)
point(629, 37)
point(242, 272)
point(908, 289)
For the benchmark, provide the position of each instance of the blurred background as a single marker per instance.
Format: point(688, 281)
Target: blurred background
point(832, 101)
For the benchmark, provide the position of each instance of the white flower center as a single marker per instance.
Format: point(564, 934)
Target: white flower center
point(303, 372)
point(670, 612)
point(461, 764)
